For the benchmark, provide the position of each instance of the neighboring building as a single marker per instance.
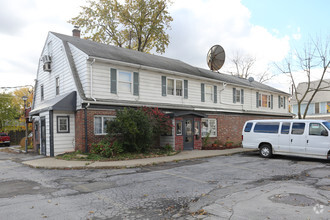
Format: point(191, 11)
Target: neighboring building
point(81, 83)
point(319, 108)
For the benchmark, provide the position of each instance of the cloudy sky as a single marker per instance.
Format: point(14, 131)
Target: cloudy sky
point(267, 30)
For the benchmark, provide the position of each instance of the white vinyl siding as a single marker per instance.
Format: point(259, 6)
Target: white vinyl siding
point(60, 68)
point(63, 142)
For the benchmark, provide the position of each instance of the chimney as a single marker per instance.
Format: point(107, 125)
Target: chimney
point(76, 32)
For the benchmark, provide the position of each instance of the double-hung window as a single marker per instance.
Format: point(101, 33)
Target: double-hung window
point(209, 126)
point(63, 124)
point(178, 87)
point(264, 101)
point(101, 123)
point(238, 95)
point(125, 81)
point(209, 93)
point(174, 87)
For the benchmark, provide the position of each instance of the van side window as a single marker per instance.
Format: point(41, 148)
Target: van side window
point(266, 127)
point(298, 128)
point(248, 127)
point(317, 129)
point(285, 128)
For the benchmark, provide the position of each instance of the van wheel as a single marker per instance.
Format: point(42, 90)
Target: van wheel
point(265, 151)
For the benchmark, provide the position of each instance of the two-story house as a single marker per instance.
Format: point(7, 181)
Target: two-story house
point(319, 108)
point(81, 83)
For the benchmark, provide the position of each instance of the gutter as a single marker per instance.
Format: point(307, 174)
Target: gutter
point(224, 84)
point(189, 108)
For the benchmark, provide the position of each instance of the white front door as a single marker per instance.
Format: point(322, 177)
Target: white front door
point(298, 139)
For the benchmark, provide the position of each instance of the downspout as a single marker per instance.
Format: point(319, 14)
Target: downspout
point(225, 103)
point(85, 124)
point(91, 76)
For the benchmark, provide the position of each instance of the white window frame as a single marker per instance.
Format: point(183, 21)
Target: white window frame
point(281, 102)
point(127, 82)
point(174, 87)
point(207, 94)
point(238, 96)
point(269, 104)
point(103, 117)
point(205, 130)
point(67, 130)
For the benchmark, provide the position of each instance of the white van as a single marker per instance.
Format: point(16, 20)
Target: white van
point(305, 138)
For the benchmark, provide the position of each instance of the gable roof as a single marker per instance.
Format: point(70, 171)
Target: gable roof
point(99, 50)
point(320, 96)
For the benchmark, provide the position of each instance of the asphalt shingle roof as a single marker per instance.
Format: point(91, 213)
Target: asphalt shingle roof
point(100, 50)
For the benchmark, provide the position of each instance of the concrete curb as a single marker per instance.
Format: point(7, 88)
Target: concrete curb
point(53, 163)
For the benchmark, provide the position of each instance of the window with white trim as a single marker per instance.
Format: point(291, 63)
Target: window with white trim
point(101, 122)
point(209, 93)
point(63, 124)
point(125, 81)
point(174, 87)
point(209, 125)
point(264, 101)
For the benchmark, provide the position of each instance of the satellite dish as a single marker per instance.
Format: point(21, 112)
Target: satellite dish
point(251, 79)
point(216, 57)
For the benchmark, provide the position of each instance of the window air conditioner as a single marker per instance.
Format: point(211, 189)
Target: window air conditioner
point(47, 67)
point(47, 59)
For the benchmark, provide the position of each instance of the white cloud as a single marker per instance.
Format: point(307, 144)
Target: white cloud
point(200, 24)
point(197, 26)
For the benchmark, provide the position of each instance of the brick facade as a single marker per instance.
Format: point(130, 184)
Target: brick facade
point(80, 127)
point(229, 126)
point(179, 138)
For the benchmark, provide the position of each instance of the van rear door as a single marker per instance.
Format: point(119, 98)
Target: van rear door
point(298, 139)
point(318, 140)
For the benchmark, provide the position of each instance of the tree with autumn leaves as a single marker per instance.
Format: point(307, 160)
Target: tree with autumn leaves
point(12, 109)
point(135, 24)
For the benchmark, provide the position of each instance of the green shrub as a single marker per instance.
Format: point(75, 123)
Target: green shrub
point(132, 128)
point(107, 148)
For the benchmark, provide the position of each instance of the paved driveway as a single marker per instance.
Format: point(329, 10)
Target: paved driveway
point(242, 186)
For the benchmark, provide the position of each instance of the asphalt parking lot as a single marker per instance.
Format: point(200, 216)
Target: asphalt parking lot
point(241, 186)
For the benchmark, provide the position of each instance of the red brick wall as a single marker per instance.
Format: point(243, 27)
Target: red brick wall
point(198, 140)
point(230, 126)
point(80, 127)
point(178, 139)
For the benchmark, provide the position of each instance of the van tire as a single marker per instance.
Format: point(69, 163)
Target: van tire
point(265, 151)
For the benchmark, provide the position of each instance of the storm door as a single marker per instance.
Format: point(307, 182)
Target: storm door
point(188, 134)
point(43, 136)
